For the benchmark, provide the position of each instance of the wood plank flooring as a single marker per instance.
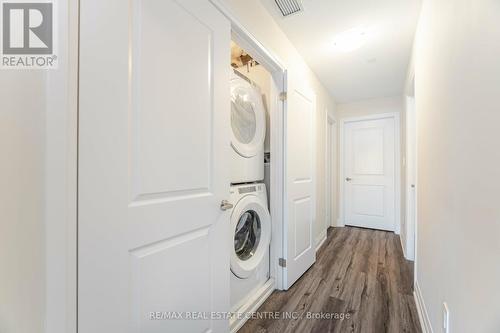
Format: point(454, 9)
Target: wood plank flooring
point(360, 274)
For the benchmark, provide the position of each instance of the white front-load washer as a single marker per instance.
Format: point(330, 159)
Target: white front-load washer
point(248, 125)
point(251, 238)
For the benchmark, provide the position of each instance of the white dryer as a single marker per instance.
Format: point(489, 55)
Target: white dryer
point(251, 237)
point(248, 124)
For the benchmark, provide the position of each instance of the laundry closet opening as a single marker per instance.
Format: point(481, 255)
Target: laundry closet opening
point(257, 83)
point(255, 182)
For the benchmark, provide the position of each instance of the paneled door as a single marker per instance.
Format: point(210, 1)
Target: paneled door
point(153, 238)
point(300, 207)
point(369, 173)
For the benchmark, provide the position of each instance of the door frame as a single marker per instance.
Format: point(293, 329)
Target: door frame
point(409, 248)
point(412, 231)
point(330, 120)
point(277, 112)
point(61, 177)
point(397, 167)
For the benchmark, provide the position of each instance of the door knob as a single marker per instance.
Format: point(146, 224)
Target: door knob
point(348, 179)
point(225, 205)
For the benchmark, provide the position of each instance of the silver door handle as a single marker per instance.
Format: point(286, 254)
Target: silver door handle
point(348, 179)
point(225, 205)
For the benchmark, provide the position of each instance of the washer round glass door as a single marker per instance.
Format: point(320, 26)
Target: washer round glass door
point(247, 235)
point(248, 118)
point(251, 226)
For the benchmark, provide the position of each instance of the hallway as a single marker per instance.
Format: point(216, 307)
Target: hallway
point(359, 273)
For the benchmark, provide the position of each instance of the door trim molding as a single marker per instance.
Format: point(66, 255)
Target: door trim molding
point(277, 112)
point(397, 166)
point(411, 178)
point(61, 177)
point(412, 231)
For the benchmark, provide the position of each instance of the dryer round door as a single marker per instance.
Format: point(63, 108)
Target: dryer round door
point(248, 118)
point(251, 230)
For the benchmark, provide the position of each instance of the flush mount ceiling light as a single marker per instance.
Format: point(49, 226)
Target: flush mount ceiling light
point(350, 40)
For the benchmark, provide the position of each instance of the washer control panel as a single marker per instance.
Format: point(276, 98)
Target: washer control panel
point(250, 188)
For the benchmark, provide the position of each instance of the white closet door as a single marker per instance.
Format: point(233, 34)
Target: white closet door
point(300, 204)
point(153, 154)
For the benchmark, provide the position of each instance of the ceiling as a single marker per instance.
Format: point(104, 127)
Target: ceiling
point(378, 68)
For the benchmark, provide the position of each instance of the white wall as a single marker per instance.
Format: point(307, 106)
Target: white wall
point(259, 23)
point(368, 107)
point(457, 89)
point(22, 186)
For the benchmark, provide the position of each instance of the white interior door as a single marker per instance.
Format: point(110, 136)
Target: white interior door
point(369, 173)
point(300, 252)
point(153, 155)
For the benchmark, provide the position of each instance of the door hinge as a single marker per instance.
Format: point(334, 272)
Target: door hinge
point(283, 96)
point(282, 262)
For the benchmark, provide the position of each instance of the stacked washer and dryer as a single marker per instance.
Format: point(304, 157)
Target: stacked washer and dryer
point(250, 218)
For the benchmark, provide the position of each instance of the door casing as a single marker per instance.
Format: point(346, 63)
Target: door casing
point(411, 178)
point(412, 164)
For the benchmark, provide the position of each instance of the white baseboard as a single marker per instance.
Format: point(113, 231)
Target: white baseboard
point(253, 303)
point(425, 323)
point(340, 223)
point(320, 240)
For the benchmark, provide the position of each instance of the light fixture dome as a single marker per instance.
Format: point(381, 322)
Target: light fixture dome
point(350, 40)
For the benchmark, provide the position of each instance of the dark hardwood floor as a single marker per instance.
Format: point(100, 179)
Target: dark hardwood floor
point(360, 274)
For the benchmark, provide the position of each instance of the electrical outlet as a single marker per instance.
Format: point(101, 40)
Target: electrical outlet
point(446, 318)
